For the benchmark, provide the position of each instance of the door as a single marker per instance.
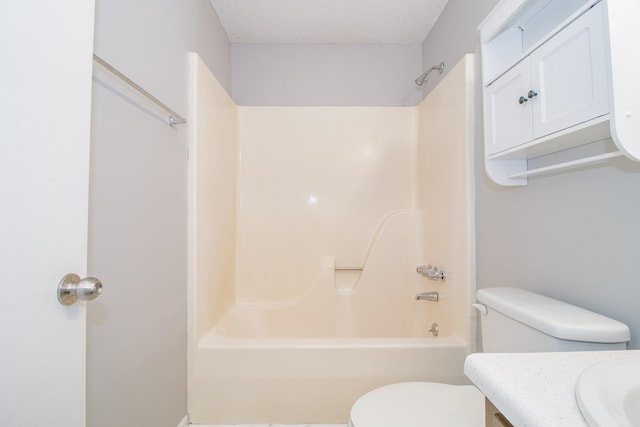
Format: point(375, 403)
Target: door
point(569, 76)
point(507, 110)
point(45, 86)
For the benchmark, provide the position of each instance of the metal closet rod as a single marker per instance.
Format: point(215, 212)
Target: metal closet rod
point(174, 118)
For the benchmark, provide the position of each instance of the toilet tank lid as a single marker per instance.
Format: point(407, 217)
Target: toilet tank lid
point(556, 318)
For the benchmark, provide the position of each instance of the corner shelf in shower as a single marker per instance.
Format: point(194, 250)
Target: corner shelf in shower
point(558, 74)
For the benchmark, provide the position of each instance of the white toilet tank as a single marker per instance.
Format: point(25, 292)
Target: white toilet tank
point(514, 320)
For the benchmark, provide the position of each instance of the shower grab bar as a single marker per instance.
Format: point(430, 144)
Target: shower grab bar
point(174, 118)
point(348, 268)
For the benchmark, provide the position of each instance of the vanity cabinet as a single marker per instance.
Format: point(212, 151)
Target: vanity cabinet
point(493, 417)
point(548, 83)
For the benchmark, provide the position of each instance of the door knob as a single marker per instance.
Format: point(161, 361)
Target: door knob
point(532, 93)
point(522, 100)
point(71, 288)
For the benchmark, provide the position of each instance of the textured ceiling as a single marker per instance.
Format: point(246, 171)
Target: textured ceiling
point(328, 21)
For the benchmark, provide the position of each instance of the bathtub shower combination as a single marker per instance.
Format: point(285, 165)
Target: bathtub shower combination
point(306, 228)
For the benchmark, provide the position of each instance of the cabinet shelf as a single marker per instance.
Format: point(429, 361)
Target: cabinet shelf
point(580, 134)
point(515, 39)
point(558, 74)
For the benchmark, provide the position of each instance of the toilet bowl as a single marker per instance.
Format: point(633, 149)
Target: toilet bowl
point(512, 320)
point(419, 404)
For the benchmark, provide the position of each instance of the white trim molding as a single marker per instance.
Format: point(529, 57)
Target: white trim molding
point(184, 422)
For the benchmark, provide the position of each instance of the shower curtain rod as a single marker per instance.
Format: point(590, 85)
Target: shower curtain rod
point(174, 118)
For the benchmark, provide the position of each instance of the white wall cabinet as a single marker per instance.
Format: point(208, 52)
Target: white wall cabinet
point(545, 91)
point(508, 117)
point(562, 83)
point(569, 75)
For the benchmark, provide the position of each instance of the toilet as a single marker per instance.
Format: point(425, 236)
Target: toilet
point(512, 320)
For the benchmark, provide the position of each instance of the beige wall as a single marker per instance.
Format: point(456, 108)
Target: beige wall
point(316, 182)
point(137, 330)
point(446, 191)
point(212, 198)
point(453, 35)
point(326, 74)
point(319, 183)
point(149, 42)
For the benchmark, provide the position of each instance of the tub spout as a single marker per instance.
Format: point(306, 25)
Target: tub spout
point(429, 296)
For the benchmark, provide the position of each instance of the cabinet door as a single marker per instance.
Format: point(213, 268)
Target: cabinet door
point(507, 116)
point(569, 76)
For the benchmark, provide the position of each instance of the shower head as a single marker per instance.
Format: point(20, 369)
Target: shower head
point(425, 76)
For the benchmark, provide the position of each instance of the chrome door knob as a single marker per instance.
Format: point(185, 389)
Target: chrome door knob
point(71, 288)
point(522, 100)
point(532, 93)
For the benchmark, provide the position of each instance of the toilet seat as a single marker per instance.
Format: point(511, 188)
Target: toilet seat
point(419, 404)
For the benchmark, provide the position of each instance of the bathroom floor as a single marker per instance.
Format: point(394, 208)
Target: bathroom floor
point(270, 425)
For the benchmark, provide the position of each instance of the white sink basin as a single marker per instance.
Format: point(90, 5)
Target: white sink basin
point(608, 393)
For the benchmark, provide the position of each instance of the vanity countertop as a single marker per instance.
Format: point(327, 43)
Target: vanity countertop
point(535, 389)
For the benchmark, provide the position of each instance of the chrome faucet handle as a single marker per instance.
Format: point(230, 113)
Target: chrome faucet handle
point(437, 275)
point(431, 272)
point(424, 269)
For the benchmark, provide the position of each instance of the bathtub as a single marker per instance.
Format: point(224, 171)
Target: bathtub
point(287, 364)
point(307, 360)
point(310, 380)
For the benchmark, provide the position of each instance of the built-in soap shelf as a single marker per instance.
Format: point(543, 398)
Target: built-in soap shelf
point(346, 278)
point(558, 74)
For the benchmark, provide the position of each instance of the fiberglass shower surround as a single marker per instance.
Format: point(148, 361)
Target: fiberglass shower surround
point(310, 259)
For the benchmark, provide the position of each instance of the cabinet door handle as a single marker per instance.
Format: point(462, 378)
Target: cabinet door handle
point(522, 100)
point(532, 93)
